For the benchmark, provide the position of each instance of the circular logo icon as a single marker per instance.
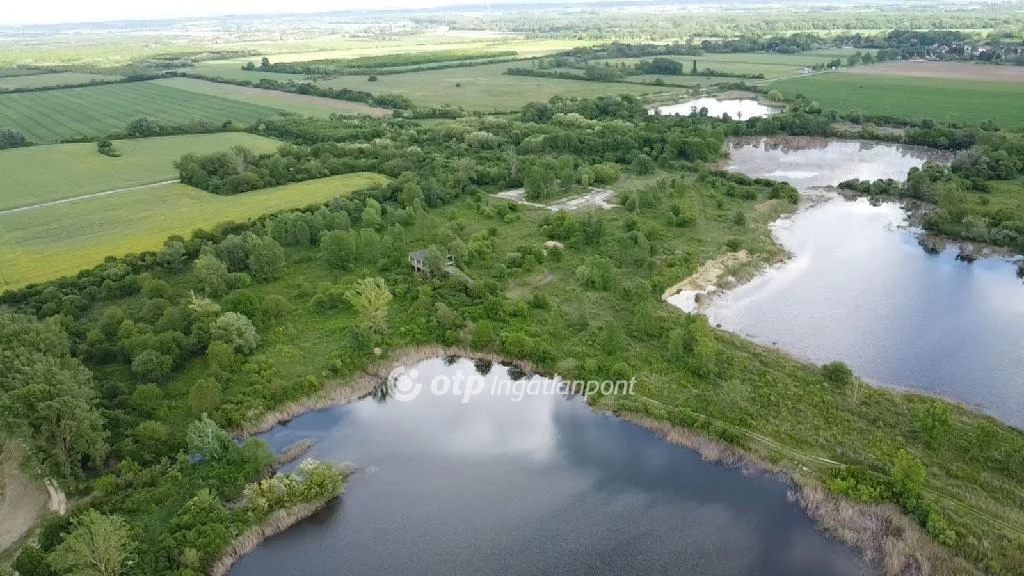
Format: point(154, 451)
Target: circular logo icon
point(404, 384)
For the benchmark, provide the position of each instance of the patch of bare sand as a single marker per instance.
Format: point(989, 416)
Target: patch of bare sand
point(704, 280)
point(22, 499)
point(941, 70)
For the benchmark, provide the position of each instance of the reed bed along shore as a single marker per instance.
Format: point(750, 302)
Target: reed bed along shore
point(293, 453)
point(275, 523)
point(885, 537)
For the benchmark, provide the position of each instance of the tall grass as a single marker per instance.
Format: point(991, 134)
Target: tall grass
point(275, 523)
point(884, 536)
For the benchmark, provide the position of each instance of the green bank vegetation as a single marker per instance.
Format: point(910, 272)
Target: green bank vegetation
point(979, 197)
point(147, 357)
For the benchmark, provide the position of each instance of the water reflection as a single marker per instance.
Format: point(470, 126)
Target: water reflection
point(813, 162)
point(860, 289)
point(736, 108)
point(540, 486)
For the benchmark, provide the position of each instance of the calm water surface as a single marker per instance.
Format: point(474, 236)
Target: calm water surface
point(737, 108)
point(540, 486)
point(861, 290)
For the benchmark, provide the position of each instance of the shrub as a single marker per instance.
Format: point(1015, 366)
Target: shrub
point(837, 373)
point(236, 330)
point(106, 147)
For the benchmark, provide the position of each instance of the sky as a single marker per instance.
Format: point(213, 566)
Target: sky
point(18, 12)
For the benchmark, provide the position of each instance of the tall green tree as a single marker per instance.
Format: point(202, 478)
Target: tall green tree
point(371, 298)
point(266, 257)
point(46, 395)
point(98, 545)
point(211, 275)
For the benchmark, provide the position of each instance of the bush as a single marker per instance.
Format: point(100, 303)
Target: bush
point(106, 147)
point(31, 561)
point(11, 138)
point(837, 373)
point(236, 330)
point(151, 365)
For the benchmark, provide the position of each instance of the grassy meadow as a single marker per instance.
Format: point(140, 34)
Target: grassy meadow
point(360, 47)
point(53, 115)
point(296, 103)
point(46, 173)
point(942, 100)
point(46, 243)
point(483, 88)
point(772, 65)
point(57, 79)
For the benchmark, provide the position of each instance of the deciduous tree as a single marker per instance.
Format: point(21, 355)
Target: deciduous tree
point(371, 298)
point(98, 545)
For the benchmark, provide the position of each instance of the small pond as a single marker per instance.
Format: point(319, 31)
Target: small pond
point(542, 485)
point(736, 108)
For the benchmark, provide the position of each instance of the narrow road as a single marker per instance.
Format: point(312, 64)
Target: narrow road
point(86, 197)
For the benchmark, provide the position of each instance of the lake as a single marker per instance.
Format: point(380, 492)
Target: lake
point(859, 288)
point(736, 108)
point(543, 485)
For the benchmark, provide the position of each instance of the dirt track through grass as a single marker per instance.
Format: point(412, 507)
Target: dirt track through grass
point(22, 499)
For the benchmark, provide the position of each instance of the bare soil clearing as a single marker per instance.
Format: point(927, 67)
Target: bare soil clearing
point(22, 499)
point(944, 70)
point(691, 292)
point(594, 198)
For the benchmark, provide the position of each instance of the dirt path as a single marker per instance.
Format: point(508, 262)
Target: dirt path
point(22, 499)
point(86, 197)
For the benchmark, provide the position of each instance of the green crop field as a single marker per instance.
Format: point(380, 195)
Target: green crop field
point(953, 100)
point(297, 103)
point(46, 173)
point(232, 70)
point(15, 72)
point(772, 65)
point(47, 80)
point(46, 243)
point(53, 115)
point(483, 88)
